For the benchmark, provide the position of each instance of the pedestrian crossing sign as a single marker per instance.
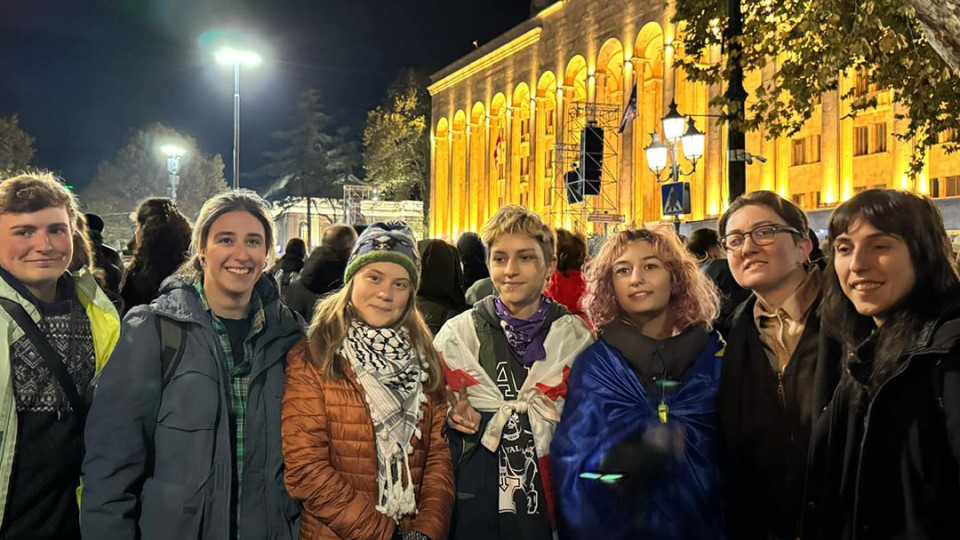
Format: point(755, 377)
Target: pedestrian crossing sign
point(675, 198)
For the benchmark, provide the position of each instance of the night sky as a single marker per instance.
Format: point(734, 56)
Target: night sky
point(82, 74)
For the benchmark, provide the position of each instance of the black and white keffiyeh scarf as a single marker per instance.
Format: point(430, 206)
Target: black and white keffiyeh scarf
point(387, 368)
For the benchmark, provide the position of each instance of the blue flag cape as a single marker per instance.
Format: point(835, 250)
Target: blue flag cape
point(606, 404)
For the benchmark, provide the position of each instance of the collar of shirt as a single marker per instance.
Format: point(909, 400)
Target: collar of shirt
point(797, 305)
point(255, 310)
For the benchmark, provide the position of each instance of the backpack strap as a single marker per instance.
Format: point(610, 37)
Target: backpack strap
point(52, 358)
point(172, 345)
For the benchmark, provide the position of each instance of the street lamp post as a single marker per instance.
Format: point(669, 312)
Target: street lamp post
point(237, 57)
point(673, 133)
point(173, 153)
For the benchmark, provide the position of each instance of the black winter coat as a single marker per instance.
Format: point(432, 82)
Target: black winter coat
point(322, 273)
point(765, 424)
point(886, 467)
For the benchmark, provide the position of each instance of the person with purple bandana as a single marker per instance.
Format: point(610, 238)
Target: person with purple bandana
point(508, 360)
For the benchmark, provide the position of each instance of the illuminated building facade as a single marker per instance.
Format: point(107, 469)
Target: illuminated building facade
point(507, 118)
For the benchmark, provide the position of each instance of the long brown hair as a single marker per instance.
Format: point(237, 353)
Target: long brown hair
point(328, 329)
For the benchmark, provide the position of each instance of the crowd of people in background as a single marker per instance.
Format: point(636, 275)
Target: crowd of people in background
point(526, 383)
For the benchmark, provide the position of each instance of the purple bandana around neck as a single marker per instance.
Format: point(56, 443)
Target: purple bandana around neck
point(523, 335)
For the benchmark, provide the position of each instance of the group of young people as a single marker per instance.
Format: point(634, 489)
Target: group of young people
point(830, 409)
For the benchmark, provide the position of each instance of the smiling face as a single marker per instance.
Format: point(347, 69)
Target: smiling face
point(37, 248)
point(641, 283)
point(874, 268)
point(380, 293)
point(771, 269)
point(234, 256)
point(519, 273)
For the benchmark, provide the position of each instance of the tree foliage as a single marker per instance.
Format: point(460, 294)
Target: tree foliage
point(16, 146)
point(396, 139)
point(813, 43)
point(316, 159)
point(139, 171)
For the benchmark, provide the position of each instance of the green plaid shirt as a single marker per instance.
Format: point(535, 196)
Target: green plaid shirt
point(239, 386)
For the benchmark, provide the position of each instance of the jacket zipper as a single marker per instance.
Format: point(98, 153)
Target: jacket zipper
point(863, 443)
point(780, 390)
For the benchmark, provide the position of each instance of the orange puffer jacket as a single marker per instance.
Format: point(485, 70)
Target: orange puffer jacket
point(331, 459)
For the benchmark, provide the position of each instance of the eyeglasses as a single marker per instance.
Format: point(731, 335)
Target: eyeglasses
point(762, 236)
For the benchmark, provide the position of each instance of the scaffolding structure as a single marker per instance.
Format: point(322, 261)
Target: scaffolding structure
point(353, 197)
point(580, 114)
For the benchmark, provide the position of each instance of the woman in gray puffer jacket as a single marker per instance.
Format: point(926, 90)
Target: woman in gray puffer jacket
point(183, 437)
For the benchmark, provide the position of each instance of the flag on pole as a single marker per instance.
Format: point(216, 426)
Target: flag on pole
point(630, 112)
point(498, 148)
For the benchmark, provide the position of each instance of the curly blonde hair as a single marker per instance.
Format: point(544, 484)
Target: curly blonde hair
point(693, 296)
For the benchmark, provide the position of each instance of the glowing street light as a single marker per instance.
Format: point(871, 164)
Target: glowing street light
point(691, 139)
point(237, 57)
point(173, 153)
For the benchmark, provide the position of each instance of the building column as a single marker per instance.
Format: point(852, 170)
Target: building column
point(830, 151)
point(432, 212)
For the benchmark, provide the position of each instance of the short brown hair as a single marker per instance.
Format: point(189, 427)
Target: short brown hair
point(787, 210)
point(29, 193)
point(513, 219)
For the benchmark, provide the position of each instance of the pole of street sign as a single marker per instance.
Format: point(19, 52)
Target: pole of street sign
point(736, 99)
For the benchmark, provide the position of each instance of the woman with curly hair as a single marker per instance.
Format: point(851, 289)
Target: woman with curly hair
point(636, 452)
point(163, 244)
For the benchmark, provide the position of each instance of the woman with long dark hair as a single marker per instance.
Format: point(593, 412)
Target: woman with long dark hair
point(163, 244)
point(884, 456)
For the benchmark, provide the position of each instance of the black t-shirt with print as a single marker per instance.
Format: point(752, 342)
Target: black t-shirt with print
point(522, 503)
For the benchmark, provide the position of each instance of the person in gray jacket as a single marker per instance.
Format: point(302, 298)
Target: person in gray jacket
point(188, 445)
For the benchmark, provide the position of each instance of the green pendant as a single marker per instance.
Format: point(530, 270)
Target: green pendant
point(662, 412)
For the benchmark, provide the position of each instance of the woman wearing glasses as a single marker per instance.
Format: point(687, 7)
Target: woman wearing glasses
point(766, 403)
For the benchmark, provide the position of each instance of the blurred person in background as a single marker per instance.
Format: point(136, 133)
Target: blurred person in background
point(163, 244)
point(566, 285)
point(289, 264)
point(322, 272)
point(473, 259)
point(439, 297)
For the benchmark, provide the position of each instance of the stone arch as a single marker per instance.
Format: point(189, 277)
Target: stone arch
point(574, 97)
point(648, 64)
point(609, 91)
point(476, 174)
point(546, 131)
point(441, 178)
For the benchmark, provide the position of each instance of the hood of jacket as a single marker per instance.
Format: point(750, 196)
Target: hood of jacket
point(290, 263)
point(440, 275)
point(474, 258)
point(323, 270)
